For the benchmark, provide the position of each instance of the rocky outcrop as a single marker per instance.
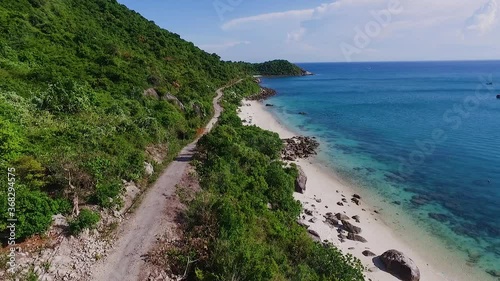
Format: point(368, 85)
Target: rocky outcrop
point(150, 93)
point(400, 265)
point(368, 253)
point(314, 234)
point(331, 220)
point(299, 147)
point(351, 228)
point(148, 168)
point(355, 237)
point(263, 94)
point(174, 100)
point(300, 181)
point(341, 216)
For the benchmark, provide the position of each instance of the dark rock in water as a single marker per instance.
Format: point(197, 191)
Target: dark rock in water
point(400, 265)
point(340, 216)
point(369, 170)
point(302, 113)
point(473, 257)
point(494, 273)
point(498, 96)
point(466, 230)
point(439, 217)
point(419, 200)
point(355, 237)
point(300, 181)
point(396, 202)
point(367, 253)
point(268, 104)
point(351, 228)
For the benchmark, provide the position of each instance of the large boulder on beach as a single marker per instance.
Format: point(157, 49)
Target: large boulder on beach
point(341, 216)
point(300, 181)
point(351, 228)
point(400, 265)
point(355, 237)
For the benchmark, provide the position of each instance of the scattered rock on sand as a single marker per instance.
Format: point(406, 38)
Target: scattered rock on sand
point(308, 212)
point(355, 201)
point(368, 253)
point(300, 181)
point(356, 218)
point(351, 228)
point(355, 237)
point(299, 147)
point(340, 203)
point(400, 265)
point(314, 234)
point(356, 196)
point(340, 216)
point(313, 220)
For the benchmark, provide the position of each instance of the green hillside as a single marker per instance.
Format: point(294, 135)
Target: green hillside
point(72, 77)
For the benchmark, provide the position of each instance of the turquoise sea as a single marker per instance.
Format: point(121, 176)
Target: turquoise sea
point(425, 136)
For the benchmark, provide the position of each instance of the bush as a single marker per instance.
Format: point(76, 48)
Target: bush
point(34, 210)
point(86, 219)
point(66, 97)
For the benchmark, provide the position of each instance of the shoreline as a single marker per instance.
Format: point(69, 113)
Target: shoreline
point(325, 189)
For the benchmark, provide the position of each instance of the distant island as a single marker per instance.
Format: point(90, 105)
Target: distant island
point(275, 68)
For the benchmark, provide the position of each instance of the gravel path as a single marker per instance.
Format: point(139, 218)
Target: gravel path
point(139, 232)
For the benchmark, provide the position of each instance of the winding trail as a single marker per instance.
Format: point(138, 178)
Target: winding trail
point(138, 233)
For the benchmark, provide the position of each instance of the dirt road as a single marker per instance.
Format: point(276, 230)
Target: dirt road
point(137, 234)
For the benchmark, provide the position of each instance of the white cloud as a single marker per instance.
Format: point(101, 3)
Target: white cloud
point(296, 35)
point(483, 18)
point(222, 46)
point(295, 14)
point(425, 29)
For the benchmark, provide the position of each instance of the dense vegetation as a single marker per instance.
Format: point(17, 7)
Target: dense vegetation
point(73, 118)
point(242, 226)
point(274, 68)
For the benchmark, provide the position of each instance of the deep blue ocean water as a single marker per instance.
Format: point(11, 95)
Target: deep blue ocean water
point(423, 135)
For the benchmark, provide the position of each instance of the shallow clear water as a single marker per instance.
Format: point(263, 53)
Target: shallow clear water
point(424, 135)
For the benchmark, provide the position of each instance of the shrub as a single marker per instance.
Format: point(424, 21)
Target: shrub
point(66, 97)
point(34, 210)
point(86, 219)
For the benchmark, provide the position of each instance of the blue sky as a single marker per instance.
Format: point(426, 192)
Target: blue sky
point(341, 30)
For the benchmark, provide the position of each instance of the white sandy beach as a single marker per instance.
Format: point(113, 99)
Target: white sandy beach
point(325, 185)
